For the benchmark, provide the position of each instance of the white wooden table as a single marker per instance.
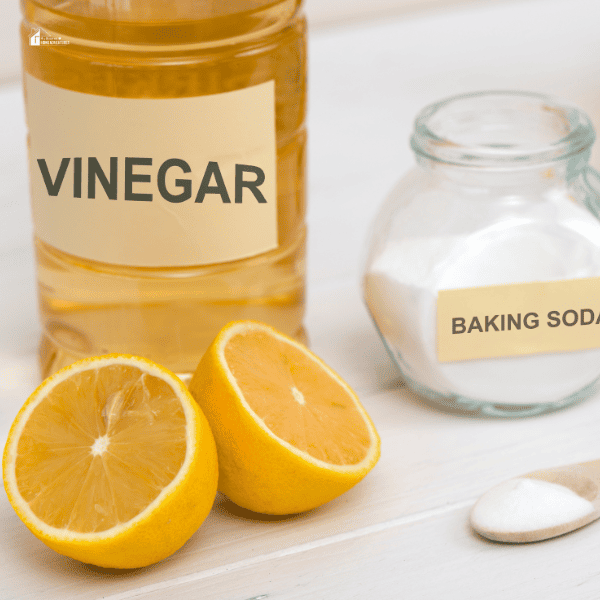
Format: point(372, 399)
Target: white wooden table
point(403, 531)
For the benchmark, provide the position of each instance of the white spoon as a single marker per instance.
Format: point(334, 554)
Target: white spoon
point(540, 505)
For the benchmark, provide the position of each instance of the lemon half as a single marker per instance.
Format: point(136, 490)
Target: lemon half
point(111, 462)
point(290, 433)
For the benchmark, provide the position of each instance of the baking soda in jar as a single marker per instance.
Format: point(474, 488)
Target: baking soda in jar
point(483, 276)
point(167, 160)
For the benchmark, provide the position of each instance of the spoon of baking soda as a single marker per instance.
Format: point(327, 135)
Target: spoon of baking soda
point(540, 505)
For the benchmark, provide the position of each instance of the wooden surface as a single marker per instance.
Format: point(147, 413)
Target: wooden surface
point(403, 531)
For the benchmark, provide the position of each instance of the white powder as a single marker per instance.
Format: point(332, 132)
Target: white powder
point(523, 504)
point(552, 240)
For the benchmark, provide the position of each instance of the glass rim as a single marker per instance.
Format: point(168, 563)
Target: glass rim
point(426, 143)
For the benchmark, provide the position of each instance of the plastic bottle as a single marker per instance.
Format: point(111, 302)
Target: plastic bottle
point(167, 159)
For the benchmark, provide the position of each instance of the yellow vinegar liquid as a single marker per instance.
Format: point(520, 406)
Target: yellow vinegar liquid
point(174, 49)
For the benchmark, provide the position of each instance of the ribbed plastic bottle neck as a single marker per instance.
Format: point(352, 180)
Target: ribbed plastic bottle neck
point(160, 25)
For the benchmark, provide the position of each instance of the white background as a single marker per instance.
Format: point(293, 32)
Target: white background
point(402, 532)
point(321, 14)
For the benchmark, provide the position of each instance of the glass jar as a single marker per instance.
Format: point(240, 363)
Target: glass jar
point(483, 271)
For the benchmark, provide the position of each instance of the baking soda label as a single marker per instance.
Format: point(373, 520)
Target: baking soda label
point(518, 319)
point(154, 182)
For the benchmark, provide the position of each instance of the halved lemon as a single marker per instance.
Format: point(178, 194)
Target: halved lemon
point(111, 462)
point(290, 433)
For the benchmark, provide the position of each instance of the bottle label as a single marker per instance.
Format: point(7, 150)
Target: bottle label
point(154, 182)
point(518, 319)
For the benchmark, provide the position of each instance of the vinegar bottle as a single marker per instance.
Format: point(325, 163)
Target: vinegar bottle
point(167, 160)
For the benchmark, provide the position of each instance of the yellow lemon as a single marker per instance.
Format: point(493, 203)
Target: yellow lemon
point(290, 433)
point(111, 462)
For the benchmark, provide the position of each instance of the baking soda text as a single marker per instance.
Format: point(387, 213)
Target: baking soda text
point(531, 320)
